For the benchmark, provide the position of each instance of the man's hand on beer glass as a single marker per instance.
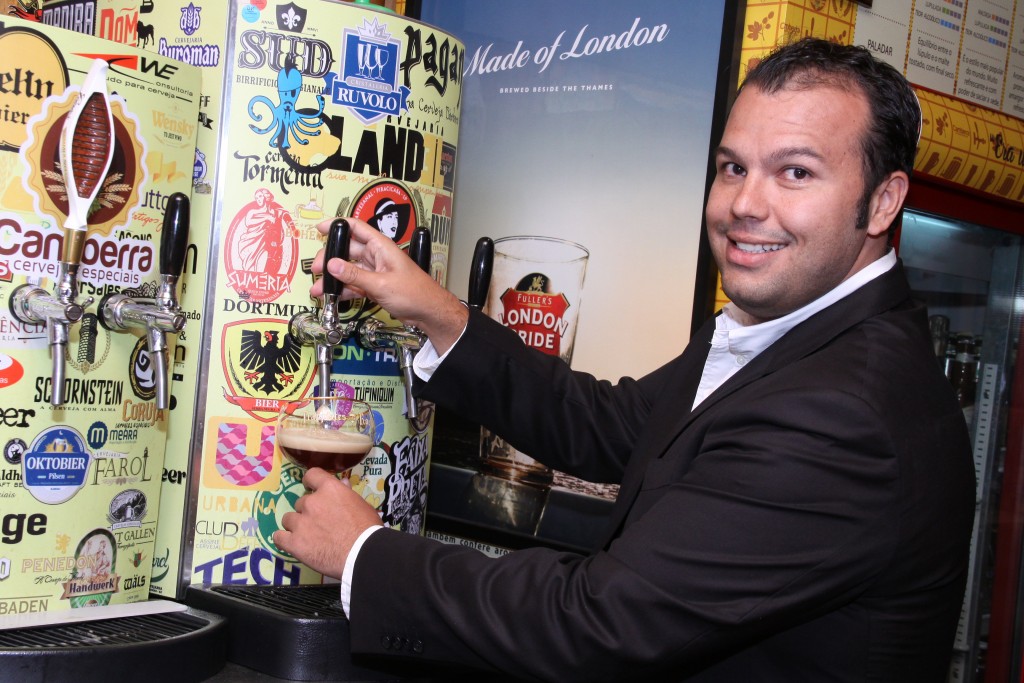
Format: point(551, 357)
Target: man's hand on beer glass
point(379, 270)
point(325, 523)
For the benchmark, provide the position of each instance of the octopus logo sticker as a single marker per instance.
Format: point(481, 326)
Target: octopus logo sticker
point(55, 466)
point(287, 122)
point(262, 249)
point(367, 84)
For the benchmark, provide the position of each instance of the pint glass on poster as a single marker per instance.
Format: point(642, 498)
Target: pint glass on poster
point(536, 289)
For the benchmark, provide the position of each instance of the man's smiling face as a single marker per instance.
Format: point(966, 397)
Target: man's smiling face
point(783, 209)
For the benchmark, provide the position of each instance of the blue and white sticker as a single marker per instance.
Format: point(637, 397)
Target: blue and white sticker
point(55, 466)
point(367, 84)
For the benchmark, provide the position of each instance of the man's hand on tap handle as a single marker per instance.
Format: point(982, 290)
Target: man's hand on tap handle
point(379, 270)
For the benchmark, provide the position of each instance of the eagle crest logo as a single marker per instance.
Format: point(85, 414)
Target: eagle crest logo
point(263, 365)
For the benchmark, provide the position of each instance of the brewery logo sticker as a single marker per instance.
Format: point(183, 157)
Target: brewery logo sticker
point(270, 506)
point(288, 122)
point(536, 313)
point(405, 495)
point(200, 185)
point(142, 374)
point(14, 450)
point(31, 84)
point(261, 249)
point(73, 15)
point(240, 455)
point(29, 11)
point(12, 330)
point(393, 209)
point(10, 370)
point(190, 19)
point(54, 467)
point(388, 206)
point(161, 567)
point(290, 17)
point(93, 580)
point(263, 365)
point(92, 346)
point(120, 192)
point(367, 84)
point(127, 509)
point(441, 222)
point(99, 435)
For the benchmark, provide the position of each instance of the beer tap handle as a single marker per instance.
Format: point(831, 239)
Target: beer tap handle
point(330, 333)
point(419, 252)
point(174, 239)
point(167, 313)
point(86, 151)
point(419, 248)
point(480, 272)
point(337, 247)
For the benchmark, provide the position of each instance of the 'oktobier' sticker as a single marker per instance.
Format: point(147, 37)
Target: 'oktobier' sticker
point(55, 466)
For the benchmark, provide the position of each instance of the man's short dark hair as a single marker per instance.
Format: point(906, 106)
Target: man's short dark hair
point(890, 143)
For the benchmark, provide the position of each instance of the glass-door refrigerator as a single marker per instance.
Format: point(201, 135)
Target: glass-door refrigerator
point(970, 276)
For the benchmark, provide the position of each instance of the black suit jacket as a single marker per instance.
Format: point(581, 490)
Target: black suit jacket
point(808, 521)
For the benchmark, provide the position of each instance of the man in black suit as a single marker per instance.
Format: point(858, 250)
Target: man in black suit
point(796, 490)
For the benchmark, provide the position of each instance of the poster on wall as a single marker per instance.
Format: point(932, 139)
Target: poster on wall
point(584, 146)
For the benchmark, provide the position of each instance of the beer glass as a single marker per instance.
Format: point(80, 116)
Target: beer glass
point(334, 433)
point(536, 289)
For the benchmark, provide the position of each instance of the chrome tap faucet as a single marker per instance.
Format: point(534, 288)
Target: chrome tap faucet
point(162, 313)
point(86, 150)
point(32, 304)
point(406, 339)
point(325, 331)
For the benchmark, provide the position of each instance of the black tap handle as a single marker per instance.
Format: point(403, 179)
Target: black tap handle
point(337, 247)
point(419, 248)
point(174, 236)
point(480, 272)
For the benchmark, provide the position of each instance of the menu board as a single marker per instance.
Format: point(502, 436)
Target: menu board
point(1013, 99)
point(970, 50)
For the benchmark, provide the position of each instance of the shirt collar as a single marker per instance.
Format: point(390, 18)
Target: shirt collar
point(751, 340)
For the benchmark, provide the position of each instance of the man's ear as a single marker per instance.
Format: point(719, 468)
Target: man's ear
point(886, 202)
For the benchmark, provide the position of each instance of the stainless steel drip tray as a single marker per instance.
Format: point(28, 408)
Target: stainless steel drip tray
point(298, 633)
point(176, 647)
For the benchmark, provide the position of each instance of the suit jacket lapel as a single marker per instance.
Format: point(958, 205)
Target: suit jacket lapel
point(670, 417)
